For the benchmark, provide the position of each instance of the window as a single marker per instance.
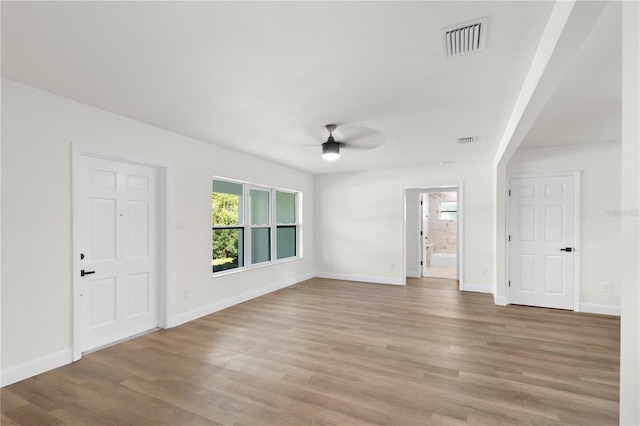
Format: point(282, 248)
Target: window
point(286, 226)
point(448, 210)
point(227, 236)
point(271, 226)
point(260, 226)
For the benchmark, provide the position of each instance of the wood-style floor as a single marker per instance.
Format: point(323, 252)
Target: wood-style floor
point(328, 352)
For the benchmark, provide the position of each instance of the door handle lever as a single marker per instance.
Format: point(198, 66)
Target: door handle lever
point(83, 272)
point(568, 249)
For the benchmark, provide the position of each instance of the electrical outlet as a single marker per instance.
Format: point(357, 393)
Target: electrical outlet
point(186, 293)
point(606, 287)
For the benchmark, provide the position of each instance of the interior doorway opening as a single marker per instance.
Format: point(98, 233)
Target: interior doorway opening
point(419, 248)
point(439, 234)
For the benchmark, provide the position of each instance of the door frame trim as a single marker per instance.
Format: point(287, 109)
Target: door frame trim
point(457, 187)
point(163, 234)
point(577, 177)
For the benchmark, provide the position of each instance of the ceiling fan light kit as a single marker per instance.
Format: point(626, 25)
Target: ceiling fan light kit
point(331, 148)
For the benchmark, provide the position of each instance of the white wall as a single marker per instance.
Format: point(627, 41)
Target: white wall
point(600, 193)
point(37, 131)
point(358, 221)
point(630, 251)
point(412, 230)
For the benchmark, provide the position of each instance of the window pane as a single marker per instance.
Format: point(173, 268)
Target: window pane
point(227, 187)
point(259, 203)
point(448, 206)
point(285, 208)
point(226, 203)
point(286, 241)
point(448, 215)
point(260, 245)
point(448, 210)
point(227, 249)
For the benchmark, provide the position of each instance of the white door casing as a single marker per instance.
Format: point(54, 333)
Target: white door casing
point(543, 241)
point(424, 231)
point(459, 187)
point(117, 215)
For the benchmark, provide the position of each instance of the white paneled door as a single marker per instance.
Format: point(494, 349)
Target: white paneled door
point(542, 241)
point(117, 240)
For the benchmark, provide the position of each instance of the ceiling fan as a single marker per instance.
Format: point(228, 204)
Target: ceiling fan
point(359, 138)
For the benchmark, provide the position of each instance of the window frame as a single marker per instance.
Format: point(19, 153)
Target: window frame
point(273, 226)
point(295, 224)
point(242, 215)
point(251, 226)
point(441, 210)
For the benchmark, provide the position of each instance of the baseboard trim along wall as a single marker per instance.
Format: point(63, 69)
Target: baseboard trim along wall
point(478, 288)
point(226, 303)
point(360, 278)
point(595, 308)
point(587, 308)
point(34, 367)
point(499, 300)
point(413, 274)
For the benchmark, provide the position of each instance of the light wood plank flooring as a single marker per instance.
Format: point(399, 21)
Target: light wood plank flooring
point(328, 352)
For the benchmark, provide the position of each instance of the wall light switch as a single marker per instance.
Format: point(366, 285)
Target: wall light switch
point(180, 225)
point(606, 287)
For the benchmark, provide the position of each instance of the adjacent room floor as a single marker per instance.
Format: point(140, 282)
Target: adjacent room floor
point(335, 352)
point(439, 272)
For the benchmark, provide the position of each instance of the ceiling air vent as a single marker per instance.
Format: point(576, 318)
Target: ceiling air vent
point(468, 139)
point(464, 38)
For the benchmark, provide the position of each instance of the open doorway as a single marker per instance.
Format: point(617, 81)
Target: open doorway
point(439, 234)
point(444, 205)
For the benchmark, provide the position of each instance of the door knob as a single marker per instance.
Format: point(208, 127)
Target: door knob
point(568, 249)
point(83, 272)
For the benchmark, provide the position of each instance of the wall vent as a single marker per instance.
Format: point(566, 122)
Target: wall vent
point(468, 139)
point(464, 38)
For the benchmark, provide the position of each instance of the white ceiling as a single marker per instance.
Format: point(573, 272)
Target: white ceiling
point(265, 77)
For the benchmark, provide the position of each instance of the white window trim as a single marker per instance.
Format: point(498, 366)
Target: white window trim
point(273, 225)
point(440, 211)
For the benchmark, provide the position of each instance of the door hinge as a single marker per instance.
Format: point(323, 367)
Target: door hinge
point(420, 232)
point(420, 202)
point(509, 237)
point(509, 193)
point(421, 263)
point(509, 283)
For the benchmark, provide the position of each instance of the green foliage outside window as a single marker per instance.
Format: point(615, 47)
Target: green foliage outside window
point(224, 242)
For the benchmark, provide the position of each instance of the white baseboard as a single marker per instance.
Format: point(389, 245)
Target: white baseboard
point(413, 274)
point(478, 288)
point(361, 278)
point(226, 303)
point(500, 300)
point(37, 366)
point(595, 308)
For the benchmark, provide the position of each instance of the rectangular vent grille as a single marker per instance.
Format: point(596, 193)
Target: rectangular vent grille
point(469, 139)
point(464, 38)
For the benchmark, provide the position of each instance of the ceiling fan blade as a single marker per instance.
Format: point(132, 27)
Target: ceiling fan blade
point(363, 138)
